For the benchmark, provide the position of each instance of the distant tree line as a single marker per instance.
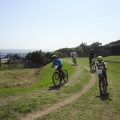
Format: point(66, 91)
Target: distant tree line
point(83, 49)
point(40, 58)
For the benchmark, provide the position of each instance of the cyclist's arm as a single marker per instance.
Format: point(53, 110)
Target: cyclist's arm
point(76, 54)
point(54, 63)
point(105, 66)
point(95, 66)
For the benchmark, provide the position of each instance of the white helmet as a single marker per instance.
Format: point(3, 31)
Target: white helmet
point(54, 56)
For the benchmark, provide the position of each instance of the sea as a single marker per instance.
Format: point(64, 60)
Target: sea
point(21, 52)
point(16, 50)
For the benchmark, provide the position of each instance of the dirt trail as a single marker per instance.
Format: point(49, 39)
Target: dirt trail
point(69, 100)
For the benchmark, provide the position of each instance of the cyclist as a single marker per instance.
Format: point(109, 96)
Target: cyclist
point(58, 63)
point(73, 55)
point(102, 66)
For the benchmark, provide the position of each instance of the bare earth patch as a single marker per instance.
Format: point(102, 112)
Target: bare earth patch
point(33, 78)
point(69, 100)
point(24, 80)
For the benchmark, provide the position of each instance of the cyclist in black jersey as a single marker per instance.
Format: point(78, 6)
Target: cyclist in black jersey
point(91, 55)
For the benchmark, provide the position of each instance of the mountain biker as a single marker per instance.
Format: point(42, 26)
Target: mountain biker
point(102, 66)
point(73, 55)
point(91, 55)
point(57, 62)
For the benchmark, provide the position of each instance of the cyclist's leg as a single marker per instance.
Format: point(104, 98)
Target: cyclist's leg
point(100, 84)
point(105, 76)
point(90, 61)
point(93, 64)
point(61, 71)
point(75, 60)
point(72, 59)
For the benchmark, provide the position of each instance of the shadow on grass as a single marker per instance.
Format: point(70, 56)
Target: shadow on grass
point(55, 88)
point(73, 65)
point(92, 72)
point(104, 97)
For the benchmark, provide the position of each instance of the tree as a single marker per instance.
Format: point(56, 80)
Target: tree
point(97, 47)
point(39, 58)
point(84, 49)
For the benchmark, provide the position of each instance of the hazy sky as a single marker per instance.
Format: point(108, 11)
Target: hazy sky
point(54, 24)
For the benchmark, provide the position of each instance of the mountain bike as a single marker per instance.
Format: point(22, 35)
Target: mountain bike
point(57, 77)
point(74, 61)
point(92, 65)
point(102, 82)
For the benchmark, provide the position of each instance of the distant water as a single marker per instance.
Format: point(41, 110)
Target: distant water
point(21, 52)
point(5, 53)
point(16, 50)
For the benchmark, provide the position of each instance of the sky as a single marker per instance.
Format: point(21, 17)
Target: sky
point(56, 24)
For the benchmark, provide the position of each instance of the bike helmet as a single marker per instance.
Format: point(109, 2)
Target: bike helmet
point(54, 56)
point(99, 58)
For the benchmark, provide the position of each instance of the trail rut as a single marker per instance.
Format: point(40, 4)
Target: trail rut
point(69, 100)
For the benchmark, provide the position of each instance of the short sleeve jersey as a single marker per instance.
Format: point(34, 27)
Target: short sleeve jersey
point(102, 65)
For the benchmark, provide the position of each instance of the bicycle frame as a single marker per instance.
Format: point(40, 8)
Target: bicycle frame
point(102, 83)
point(74, 60)
point(92, 65)
point(55, 67)
point(58, 76)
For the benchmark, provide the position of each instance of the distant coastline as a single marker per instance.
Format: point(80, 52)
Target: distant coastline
point(21, 50)
point(5, 53)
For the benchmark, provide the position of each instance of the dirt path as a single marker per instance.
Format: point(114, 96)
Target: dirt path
point(69, 100)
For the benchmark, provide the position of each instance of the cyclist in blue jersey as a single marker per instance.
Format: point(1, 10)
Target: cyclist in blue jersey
point(57, 62)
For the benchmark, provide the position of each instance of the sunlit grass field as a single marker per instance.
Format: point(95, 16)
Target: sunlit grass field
point(24, 91)
point(92, 106)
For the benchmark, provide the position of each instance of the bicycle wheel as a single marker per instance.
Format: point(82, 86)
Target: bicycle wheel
point(74, 61)
point(65, 76)
point(56, 79)
point(92, 67)
point(102, 85)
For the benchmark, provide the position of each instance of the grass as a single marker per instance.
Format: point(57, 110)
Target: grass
point(24, 99)
point(113, 59)
point(21, 80)
point(117, 58)
point(21, 100)
point(92, 106)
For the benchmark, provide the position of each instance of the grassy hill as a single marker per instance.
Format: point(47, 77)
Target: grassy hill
point(26, 91)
